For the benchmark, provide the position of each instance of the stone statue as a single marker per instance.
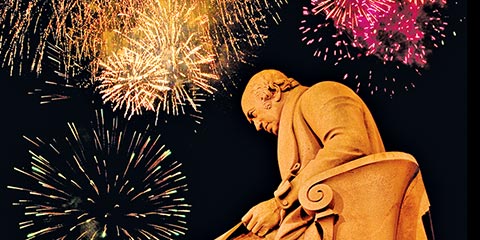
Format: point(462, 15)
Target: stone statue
point(338, 182)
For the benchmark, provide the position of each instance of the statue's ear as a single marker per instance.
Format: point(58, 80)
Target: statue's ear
point(277, 95)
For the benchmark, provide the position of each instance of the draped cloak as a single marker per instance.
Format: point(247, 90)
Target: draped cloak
point(321, 127)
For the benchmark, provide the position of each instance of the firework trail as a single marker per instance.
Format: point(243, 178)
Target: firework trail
point(349, 13)
point(77, 27)
point(67, 36)
point(104, 182)
point(16, 20)
point(401, 34)
point(237, 29)
point(330, 25)
point(330, 44)
point(397, 33)
point(166, 62)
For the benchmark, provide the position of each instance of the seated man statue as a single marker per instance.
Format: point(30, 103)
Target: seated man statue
point(318, 128)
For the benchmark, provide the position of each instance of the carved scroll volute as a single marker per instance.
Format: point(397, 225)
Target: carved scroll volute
point(317, 198)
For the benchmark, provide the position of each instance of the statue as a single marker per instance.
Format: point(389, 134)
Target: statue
point(338, 182)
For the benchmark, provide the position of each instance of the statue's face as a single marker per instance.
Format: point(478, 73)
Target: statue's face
point(262, 109)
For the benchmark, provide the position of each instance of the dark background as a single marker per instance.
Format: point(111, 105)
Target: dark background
point(230, 167)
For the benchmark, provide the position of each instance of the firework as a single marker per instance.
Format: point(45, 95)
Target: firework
point(166, 60)
point(329, 43)
point(106, 181)
point(60, 35)
point(330, 26)
point(350, 13)
point(237, 29)
point(16, 23)
point(402, 39)
point(401, 35)
point(74, 26)
point(394, 33)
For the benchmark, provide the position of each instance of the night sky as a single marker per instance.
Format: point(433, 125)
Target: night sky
point(230, 167)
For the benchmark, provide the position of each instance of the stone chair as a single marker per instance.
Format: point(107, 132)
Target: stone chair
point(380, 196)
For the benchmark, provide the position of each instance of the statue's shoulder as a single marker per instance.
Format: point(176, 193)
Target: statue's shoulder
point(327, 92)
point(328, 89)
point(329, 85)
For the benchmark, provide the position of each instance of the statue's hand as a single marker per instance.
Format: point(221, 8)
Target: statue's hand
point(263, 217)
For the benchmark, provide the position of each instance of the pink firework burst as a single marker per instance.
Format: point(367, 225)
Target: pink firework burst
point(422, 2)
point(401, 34)
point(398, 34)
point(349, 13)
point(331, 42)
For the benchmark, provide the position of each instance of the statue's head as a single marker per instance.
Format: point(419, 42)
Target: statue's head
point(264, 97)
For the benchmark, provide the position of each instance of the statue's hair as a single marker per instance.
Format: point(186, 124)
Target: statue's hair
point(272, 79)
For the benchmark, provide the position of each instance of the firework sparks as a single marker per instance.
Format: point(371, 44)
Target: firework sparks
point(67, 36)
point(401, 35)
point(75, 26)
point(349, 13)
point(237, 29)
point(108, 182)
point(330, 43)
point(16, 20)
point(162, 69)
point(396, 33)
